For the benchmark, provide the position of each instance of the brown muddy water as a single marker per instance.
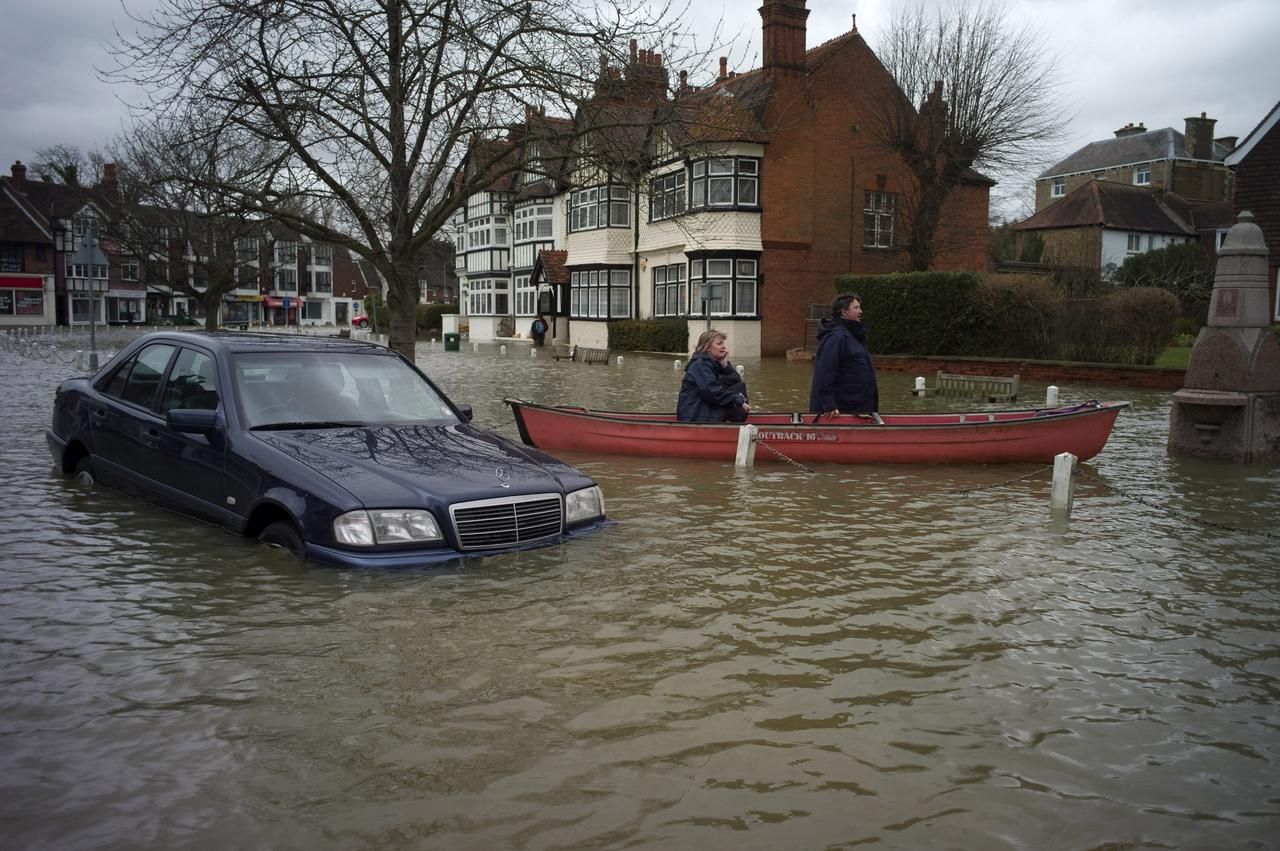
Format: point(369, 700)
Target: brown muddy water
point(895, 657)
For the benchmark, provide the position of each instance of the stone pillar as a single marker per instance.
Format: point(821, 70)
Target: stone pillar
point(1229, 404)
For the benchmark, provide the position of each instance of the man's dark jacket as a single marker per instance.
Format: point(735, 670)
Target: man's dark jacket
point(844, 378)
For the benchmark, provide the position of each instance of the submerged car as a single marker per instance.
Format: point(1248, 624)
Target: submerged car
point(360, 320)
point(337, 450)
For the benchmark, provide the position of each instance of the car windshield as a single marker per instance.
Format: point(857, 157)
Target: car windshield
point(331, 388)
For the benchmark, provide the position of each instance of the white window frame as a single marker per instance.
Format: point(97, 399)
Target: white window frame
point(1058, 188)
point(879, 219)
point(1142, 176)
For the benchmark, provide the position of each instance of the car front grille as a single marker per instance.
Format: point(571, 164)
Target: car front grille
point(494, 523)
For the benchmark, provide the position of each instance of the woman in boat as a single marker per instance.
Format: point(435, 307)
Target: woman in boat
point(844, 378)
point(712, 391)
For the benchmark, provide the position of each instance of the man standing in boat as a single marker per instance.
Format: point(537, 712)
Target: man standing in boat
point(712, 391)
point(844, 378)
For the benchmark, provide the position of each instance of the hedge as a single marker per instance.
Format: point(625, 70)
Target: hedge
point(919, 313)
point(649, 335)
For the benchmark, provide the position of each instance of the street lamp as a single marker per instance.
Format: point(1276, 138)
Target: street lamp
point(91, 243)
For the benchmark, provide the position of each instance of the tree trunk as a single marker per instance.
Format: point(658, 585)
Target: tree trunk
point(211, 301)
point(402, 300)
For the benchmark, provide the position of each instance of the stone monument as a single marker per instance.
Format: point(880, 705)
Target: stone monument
point(1229, 404)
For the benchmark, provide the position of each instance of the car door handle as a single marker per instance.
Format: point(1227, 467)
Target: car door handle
point(151, 438)
point(98, 416)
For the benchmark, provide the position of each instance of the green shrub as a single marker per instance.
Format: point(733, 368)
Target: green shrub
point(649, 335)
point(920, 313)
point(1184, 269)
point(1020, 315)
point(427, 317)
point(1132, 325)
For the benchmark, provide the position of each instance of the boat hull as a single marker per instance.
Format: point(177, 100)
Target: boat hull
point(981, 437)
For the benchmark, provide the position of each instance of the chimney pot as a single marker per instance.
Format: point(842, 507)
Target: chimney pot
point(854, 28)
point(633, 50)
point(724, 67)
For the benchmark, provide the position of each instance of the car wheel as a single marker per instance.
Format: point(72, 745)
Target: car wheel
point(84, 471)
point(283, 535)
point(363, 323)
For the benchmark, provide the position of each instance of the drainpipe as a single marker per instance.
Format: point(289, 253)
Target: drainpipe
point(635, 255)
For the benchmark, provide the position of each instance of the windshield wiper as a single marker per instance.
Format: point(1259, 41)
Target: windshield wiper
point(303, 424)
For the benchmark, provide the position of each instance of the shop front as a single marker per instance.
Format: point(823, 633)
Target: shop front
point(26, 300)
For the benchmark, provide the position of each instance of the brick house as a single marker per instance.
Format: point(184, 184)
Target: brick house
point(741, 201)
point(1100, 223)
point(1191, 164)
point(1256, 163)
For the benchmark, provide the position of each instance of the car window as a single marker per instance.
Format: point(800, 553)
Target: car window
point(192, 383)
point(138, 379)
point(342, 387)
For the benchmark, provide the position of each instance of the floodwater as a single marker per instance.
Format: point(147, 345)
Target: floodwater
point(774, 658)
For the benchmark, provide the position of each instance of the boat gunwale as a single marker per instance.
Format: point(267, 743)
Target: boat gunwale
point(1037, 415)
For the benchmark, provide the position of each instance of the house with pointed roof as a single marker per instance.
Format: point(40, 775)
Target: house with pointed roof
point(738, 203)
point(1256, 163)
point(1191, 164)
point(1102, 222)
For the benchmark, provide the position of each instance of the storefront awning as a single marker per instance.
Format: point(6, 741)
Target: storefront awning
point(21, 282)
point(254, 298)
point(272, 301)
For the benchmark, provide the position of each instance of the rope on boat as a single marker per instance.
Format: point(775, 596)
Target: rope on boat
point(1181, 515)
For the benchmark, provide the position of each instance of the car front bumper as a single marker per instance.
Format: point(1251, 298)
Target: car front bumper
point(436, 556)
point(57, 448)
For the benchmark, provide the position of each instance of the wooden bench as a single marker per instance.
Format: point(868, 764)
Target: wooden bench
point(584, 354)
point(992, 388)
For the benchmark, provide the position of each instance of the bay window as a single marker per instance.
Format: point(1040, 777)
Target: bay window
point(600, 293)
point(724, 286)
point(607, 206)
point(725, 182)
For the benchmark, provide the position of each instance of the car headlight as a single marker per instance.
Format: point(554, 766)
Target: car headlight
point(386, 526)
point(586, 504)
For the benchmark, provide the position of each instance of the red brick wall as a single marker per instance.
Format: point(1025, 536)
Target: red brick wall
point(1258, 191)
point(1147, 377)
point(820, 159)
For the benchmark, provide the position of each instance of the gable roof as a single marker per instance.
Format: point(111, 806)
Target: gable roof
point(1113, 206)
point(1255, 135)
point(1163, 144)
point(551, 264)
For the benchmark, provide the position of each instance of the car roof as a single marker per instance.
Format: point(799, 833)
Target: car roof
point(249, 341)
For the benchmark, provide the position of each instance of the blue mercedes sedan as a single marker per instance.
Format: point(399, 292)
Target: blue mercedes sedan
point(336, 450)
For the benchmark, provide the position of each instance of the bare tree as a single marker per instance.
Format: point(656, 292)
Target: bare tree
point(989, 104)
point(170, 216)
point(368, 107)
point(68, 165)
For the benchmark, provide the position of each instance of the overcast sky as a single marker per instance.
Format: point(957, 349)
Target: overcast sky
point(1120, 61)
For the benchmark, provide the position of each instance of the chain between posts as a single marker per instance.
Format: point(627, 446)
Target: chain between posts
point(1023, 477)
point(780, 456)
point(1181, 515)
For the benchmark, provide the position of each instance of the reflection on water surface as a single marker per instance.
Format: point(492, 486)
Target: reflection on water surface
point(911, 657)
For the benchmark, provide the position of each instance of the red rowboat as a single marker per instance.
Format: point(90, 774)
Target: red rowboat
point(976, 437)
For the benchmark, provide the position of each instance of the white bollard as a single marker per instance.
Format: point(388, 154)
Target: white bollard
point(919, 382)
point(742, 370)
point(1051, 396)
point(619, 360)
point(502, 349)
point(676, 365)
point(919, 389)
point(746, 456)
point(475, 347)
point(533, 353)
point(1064, 484)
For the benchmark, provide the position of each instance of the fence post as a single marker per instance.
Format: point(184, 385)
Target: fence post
point(1064, 485)
point(746, 446)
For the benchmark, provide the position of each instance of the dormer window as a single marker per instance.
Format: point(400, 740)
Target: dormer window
point(1059, 187)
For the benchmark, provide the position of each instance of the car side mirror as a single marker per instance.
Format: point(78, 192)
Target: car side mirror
point(467, 412)
point(192, 420)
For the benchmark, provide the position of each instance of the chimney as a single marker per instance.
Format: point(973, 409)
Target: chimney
point(854, 29)
point(19, 172)
point(109, 177)
point(724, 69)
point(1131, 129)
point(783, 36)
point(1200, 137)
